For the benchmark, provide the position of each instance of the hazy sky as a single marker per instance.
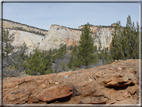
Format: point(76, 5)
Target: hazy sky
point(42, 15)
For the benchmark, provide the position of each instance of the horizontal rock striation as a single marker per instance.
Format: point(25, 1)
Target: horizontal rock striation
point(15, 25)
point(57, 35)
point(101, 85)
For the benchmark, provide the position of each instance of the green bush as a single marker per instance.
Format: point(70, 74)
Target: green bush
point(38, 63)
point(60, 53)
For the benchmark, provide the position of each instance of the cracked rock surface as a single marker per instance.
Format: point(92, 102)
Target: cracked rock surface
point(116, 83)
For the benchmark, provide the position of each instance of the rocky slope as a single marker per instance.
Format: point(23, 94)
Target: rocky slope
point(57, 35)
point(116, 83)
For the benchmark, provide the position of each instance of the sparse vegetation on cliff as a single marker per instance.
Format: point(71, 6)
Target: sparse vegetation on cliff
point(18, 26)
point(30, 31)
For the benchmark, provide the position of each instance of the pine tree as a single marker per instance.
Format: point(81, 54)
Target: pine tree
point(107, 56)
point(125, 43)
point(38, 63)
point(136, 44)
point(86, 48)
point(73, 60)
point(7, 40)
point(60, 52)
point(131, 40)
point(116, 45)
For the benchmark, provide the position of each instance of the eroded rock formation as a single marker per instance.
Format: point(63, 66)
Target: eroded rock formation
point(116, 83)
point(60, 35)
point(57, 35)
point(31, 40)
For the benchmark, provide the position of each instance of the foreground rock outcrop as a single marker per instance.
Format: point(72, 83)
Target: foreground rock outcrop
point(116, 83)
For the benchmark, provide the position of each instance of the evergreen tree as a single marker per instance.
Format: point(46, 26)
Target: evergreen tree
point(19, 57)
point(64, 66)
point(60, 52)
point(116, 45)
point(86, 47)
point(125, 43)
point(38, 63)
point(136, 44)
point(107, 57)
point(73, 60)
point(7, 40)
point(132, 34)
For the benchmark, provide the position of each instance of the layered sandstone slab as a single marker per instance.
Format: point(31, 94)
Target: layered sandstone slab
point(106, 84)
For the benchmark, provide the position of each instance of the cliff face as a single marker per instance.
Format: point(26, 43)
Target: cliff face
point(57, 35)
point(102, 35)
point(60, 35)
point(30, 39)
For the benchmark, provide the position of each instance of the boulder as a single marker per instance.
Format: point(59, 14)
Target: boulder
point(54, 92)
point(119, 69)
point(120, 80)
point(18, 96)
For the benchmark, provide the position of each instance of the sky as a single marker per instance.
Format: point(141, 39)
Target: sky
point(73, 15)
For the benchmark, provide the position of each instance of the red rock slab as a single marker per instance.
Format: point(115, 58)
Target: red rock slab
point(8, 85)
point(55, 92)
point(120, 80)
point(93, 100)
point(133, 89)
point(127, 101)
point(17, 96)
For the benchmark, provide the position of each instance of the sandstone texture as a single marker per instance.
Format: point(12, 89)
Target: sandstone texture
point(57, 35)
point(30, 39)
point(101, 85)
point(63, 35)
point(60, 35)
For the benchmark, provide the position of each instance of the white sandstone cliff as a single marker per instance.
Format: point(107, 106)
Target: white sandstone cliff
point(57, 35)
point(31, 40)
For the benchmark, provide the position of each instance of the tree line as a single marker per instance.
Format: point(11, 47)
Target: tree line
point(125, 45)
point(30, 31)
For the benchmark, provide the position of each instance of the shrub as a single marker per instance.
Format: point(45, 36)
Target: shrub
point(44, 63)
